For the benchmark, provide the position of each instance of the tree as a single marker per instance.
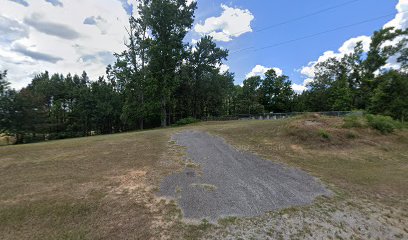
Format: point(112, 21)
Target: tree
point(379, 53)
point(168, 22)
point(276, 92)
point(4, 84)
point(250, 95)
point(390, 97)
point(206, 83)
point(130, 72)
point(106, 117)
point(377, 57)
point(6, 104)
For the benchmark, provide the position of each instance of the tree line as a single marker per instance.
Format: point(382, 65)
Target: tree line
point(159, 80)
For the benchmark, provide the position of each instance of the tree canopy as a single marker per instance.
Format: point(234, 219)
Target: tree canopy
point(159, 79)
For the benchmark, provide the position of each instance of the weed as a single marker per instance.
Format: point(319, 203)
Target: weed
point(227, 221)
point(191, 164)
point(354, 122)
point(324, 134)
point(196, 231)
point(207, 187)
point(384, 124)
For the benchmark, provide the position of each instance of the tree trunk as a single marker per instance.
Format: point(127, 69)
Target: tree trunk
point(143, 79)
point(163, 113)
point(141, 122)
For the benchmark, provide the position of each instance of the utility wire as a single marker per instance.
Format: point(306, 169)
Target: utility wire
point(290, 21)
point(301, 17)
point(308, 36)
point(319, 33)
point(308, 15)
point(296, 19)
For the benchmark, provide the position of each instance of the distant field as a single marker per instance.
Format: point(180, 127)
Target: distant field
point(103, 187)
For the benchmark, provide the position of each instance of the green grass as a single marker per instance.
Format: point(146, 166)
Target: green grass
point(324, 134)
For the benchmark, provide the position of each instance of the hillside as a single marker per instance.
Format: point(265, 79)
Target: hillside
point(105, 187)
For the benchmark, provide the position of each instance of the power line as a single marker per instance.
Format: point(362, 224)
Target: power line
point(319, 33)
point(298, 18)
point(290, 21)
point(307, 15)
point(308, 36)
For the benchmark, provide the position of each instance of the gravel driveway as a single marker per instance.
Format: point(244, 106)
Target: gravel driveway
point(220, 181)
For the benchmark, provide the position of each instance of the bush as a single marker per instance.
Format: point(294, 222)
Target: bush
point(324, 134)
point(384, 124)
point(353, 122)
point(186, 121)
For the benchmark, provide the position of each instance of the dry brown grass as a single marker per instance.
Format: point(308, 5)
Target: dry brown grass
point(103, 187)
point(98, 187)
point(353, 161)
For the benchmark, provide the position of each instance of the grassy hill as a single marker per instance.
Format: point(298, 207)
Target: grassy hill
point(103, 187)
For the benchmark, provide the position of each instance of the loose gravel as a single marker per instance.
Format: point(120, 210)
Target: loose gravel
point(219, 181)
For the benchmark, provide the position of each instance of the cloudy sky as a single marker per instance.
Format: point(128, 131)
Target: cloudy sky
point(290, 36)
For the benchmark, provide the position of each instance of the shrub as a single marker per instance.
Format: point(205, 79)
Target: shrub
point(324, 134)
point(384, 124)
point(186, 121)
point(353, 122)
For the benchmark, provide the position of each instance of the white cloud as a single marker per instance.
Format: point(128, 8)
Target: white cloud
point(223, 68)
point(190, 1)
point(349, 45)
point(260, 70)
point(232, 23)
point(37, 42)
point(298, 88)
point(194, 41)
point(400, 21)
point(347, 48)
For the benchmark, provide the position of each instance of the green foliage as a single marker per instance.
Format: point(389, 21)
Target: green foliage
point(168, 23)
point(203, 89)
point(324, 134)
point(186, 121)
point(384, 124)
point(159, 78)
point(276, 92)
point(4, 84)
point(390, 97)
point(354, 122)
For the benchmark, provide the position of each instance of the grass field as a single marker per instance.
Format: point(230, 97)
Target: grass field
point(103, 187)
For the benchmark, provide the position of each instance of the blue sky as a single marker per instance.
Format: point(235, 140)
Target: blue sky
point(75, 35)
point(292, 56)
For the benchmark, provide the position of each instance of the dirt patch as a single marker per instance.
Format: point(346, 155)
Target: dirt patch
point(335, 219)
point(312, 123)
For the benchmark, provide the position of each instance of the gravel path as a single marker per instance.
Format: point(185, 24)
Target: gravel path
point(222, 181)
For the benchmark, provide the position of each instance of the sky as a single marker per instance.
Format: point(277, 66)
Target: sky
point(69, 36)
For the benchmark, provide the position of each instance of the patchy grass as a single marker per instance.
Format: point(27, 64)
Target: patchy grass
point(97, 187)
point(206, 187)
point(360, 161)
point(227, 221)
point(103, 187)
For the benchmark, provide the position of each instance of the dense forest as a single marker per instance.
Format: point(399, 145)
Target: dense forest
point(159, 80)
